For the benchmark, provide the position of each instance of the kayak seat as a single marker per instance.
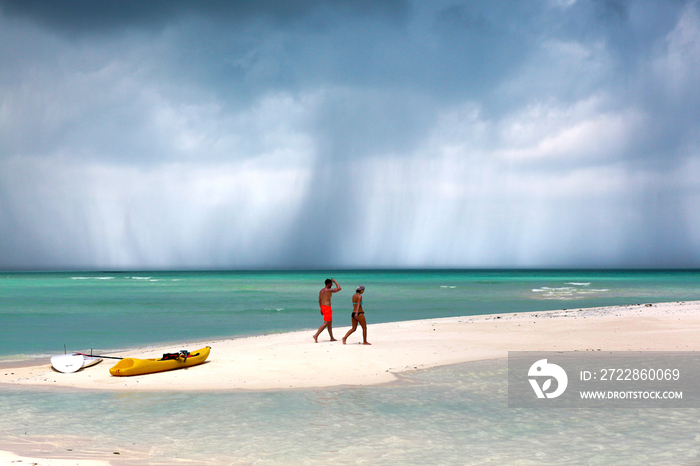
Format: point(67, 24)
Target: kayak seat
point(182, 354)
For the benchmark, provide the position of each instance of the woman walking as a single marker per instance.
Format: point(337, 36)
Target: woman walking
point(358, 315)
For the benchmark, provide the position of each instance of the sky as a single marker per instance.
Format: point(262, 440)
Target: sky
point(175, 134)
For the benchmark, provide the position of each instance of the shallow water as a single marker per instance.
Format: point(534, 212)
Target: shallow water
point(450, 415)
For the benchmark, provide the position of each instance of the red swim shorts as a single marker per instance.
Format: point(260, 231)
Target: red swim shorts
point(327, 313)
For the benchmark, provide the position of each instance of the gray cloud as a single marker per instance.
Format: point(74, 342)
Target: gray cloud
point(356, 133)
point(87, 17)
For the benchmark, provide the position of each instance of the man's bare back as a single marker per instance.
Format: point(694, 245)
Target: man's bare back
point(324, 297)
point(326, 293)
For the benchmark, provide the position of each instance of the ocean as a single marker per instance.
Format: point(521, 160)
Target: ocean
point(42, 312)
point(447, 415)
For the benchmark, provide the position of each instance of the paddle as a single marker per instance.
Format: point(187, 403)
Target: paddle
point(184, 354)
point(97, 356)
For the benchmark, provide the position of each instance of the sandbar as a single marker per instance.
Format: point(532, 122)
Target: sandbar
point(293, 361)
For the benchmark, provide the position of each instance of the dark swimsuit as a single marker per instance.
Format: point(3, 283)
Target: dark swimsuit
point(353, 312)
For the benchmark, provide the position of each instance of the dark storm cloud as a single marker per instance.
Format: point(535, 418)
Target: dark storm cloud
point(353, 133)
point(81, 16)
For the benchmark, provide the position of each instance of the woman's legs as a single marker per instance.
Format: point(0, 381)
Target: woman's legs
point(354, 327)
point(363, 322)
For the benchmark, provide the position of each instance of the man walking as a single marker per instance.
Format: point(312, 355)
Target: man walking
point(324, 301)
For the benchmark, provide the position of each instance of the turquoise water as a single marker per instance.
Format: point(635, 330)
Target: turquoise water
point(450, 415)
point(42, 312)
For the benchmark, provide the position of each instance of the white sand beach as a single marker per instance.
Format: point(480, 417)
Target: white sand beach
point(293, 360)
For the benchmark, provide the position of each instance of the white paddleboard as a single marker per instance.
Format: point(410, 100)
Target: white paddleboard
point(68, 363)
point(90, 361)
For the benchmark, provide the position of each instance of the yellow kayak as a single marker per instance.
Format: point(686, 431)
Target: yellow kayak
point(133, 366)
